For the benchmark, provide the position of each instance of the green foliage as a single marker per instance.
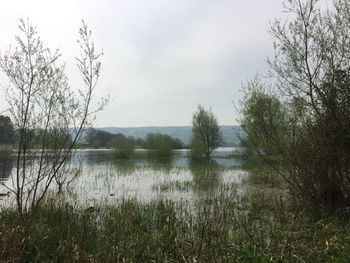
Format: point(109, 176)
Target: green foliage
point(206, 134)
point(155, 140)
point(205, 174)
point(266, 121)
point(97, 138)
point(197, 148)
point(183, 133)
point(161, 145)
point(53, 137)
point(124, 147)
point(322, 154)
point(302, 128)
point(254, 228)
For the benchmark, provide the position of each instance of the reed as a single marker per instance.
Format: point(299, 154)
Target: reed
point(254, 227)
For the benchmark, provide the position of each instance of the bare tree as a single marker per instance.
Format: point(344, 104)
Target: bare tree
point(48, 115)
point(311, 50)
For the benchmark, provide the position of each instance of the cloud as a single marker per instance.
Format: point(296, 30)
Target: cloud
point(162, 58)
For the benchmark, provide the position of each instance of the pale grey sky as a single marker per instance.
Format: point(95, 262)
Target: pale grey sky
point(161, 57)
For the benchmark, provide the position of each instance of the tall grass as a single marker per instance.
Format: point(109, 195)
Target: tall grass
point(225, 228)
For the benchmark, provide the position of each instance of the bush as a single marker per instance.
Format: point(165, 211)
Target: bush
point(302, 127)
point(124, 149)
point(161, 145)
point(311, 154)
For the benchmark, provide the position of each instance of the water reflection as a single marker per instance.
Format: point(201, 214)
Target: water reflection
point(205, 176)
point(125, 167)
point(164, 165)
point(96, 157)
point(128, 167)
point(107, 180)
point(6, 164)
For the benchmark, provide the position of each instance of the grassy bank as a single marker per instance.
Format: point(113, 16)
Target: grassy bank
point(257, 227)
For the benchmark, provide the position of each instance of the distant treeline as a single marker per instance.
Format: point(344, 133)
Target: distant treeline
point(230, 134)
point(93, 138)
point(9, 135)
point(101, 139)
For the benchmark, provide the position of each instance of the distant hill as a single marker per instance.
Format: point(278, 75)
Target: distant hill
point(184, 133)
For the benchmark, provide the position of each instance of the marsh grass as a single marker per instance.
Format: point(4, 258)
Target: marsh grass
point(255, 227)
point(181, 186)
point(225, 224)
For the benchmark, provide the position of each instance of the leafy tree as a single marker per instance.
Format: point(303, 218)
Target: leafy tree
point(160, 145)
point(124, 147)
point(206, 134)
point(305, 120)
point(197, 147)
point(41, 104)
point(141, 143)
point(264, 120)
point(98, 138)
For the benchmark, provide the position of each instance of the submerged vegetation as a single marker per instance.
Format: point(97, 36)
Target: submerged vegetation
point(161, 145)
point(124, 147)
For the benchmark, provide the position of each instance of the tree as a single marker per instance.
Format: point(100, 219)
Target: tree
point(43, 106)
point(160, 145)
point(98, 138)
point(206, 134)
point(6, 130)
point(307, 123)
point(263, 120)
point(124, 147)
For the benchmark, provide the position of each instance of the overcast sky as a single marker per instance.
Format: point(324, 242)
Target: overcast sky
point(161, 57)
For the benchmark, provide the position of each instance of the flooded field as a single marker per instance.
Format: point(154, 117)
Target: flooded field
point(105, 180)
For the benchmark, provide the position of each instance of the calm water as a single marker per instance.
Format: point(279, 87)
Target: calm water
point(104, 180)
